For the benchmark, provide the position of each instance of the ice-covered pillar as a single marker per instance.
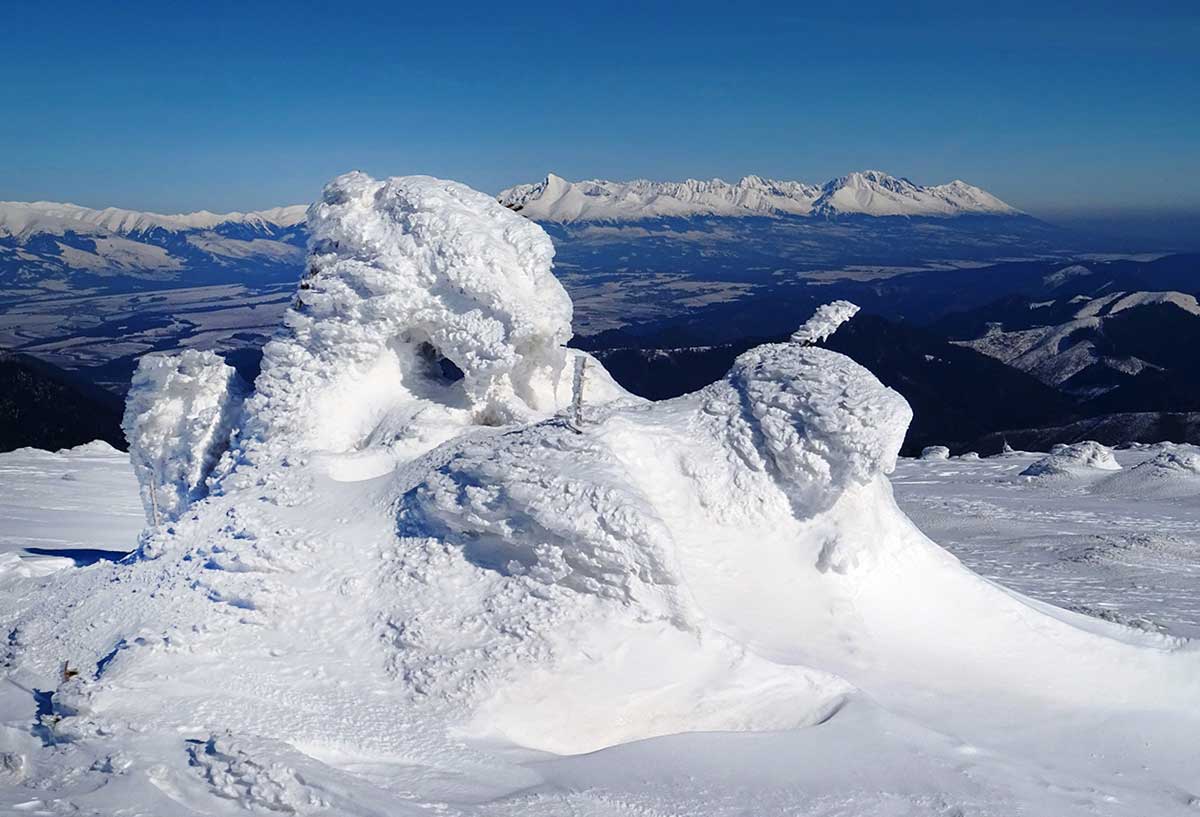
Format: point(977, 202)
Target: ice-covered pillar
point(179, 416)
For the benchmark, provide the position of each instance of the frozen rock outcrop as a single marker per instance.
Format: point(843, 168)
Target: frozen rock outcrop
point(935, 452)
point(179, 415)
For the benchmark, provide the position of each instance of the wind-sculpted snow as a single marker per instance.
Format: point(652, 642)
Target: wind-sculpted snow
point(1073, 460)
point(824, 322)
point(179, 417)
point(815, 418)
point(412, 283)
point(408, 589)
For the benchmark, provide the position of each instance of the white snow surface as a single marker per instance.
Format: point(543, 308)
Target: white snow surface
point(406, 593)
point(870, 192)
point(55, 503)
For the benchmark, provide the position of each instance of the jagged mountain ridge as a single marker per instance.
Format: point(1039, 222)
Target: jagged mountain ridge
point(869, 193)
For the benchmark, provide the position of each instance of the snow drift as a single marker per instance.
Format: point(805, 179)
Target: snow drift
point(412, 569)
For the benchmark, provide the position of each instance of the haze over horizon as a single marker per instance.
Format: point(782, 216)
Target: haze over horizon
point(230, 108)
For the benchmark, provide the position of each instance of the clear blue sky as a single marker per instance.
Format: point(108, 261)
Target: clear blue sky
point(245, 105)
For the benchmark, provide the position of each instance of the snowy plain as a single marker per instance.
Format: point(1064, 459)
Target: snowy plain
point(417, 581)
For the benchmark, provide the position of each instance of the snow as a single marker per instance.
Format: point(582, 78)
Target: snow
point(408, 592)
point(1048, 353)
point(179, 417)
point(58, 502)
point(1074, 460)
point(1180, 299)
point(824, 322)
point(411, 282)
point(935, 452)
point(871, 192)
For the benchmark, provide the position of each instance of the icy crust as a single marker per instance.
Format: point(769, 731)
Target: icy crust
point(412, 283)
point(179, 417)
point(1074, 459)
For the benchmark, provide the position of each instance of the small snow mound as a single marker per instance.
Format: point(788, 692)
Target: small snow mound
point(427, 306)
point(935, 452)
point(825, 321)
point(1074, 459)
point(1179, 461)
point(96, 448)
point(179, 415)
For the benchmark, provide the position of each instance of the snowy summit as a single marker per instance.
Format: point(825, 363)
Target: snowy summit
point(435, 561)
point(870, 193)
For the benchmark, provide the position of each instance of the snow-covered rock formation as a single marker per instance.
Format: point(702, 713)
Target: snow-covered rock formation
point(426, 307)
point(179, 417)
point(870, 192)
point(414, 582)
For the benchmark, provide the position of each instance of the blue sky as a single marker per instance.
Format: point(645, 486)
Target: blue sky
point(1053, 107)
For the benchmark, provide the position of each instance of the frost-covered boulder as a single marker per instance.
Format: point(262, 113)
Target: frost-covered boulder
point(426, 304)
point(1074, 459)
point(179, 415)
point(935, 452)
point(817, 420)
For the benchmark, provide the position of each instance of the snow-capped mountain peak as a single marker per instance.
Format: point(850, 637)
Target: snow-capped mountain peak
point(868, 192)
point(875, 193)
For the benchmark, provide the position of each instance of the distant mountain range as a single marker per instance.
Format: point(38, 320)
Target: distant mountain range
point(46, 247)
point(865, 193)
point(711, 228)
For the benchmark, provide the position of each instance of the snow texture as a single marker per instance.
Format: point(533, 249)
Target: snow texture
point(179, 417)
point(427, 306)
point(1075, 459)
point(935, 452)
point(824, 322)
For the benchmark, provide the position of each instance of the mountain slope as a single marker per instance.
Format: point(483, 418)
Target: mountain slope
point(42, 406)
point(46, 248)
point(1090, 346)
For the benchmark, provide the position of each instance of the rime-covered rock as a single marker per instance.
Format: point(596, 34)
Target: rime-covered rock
point(179, 415)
